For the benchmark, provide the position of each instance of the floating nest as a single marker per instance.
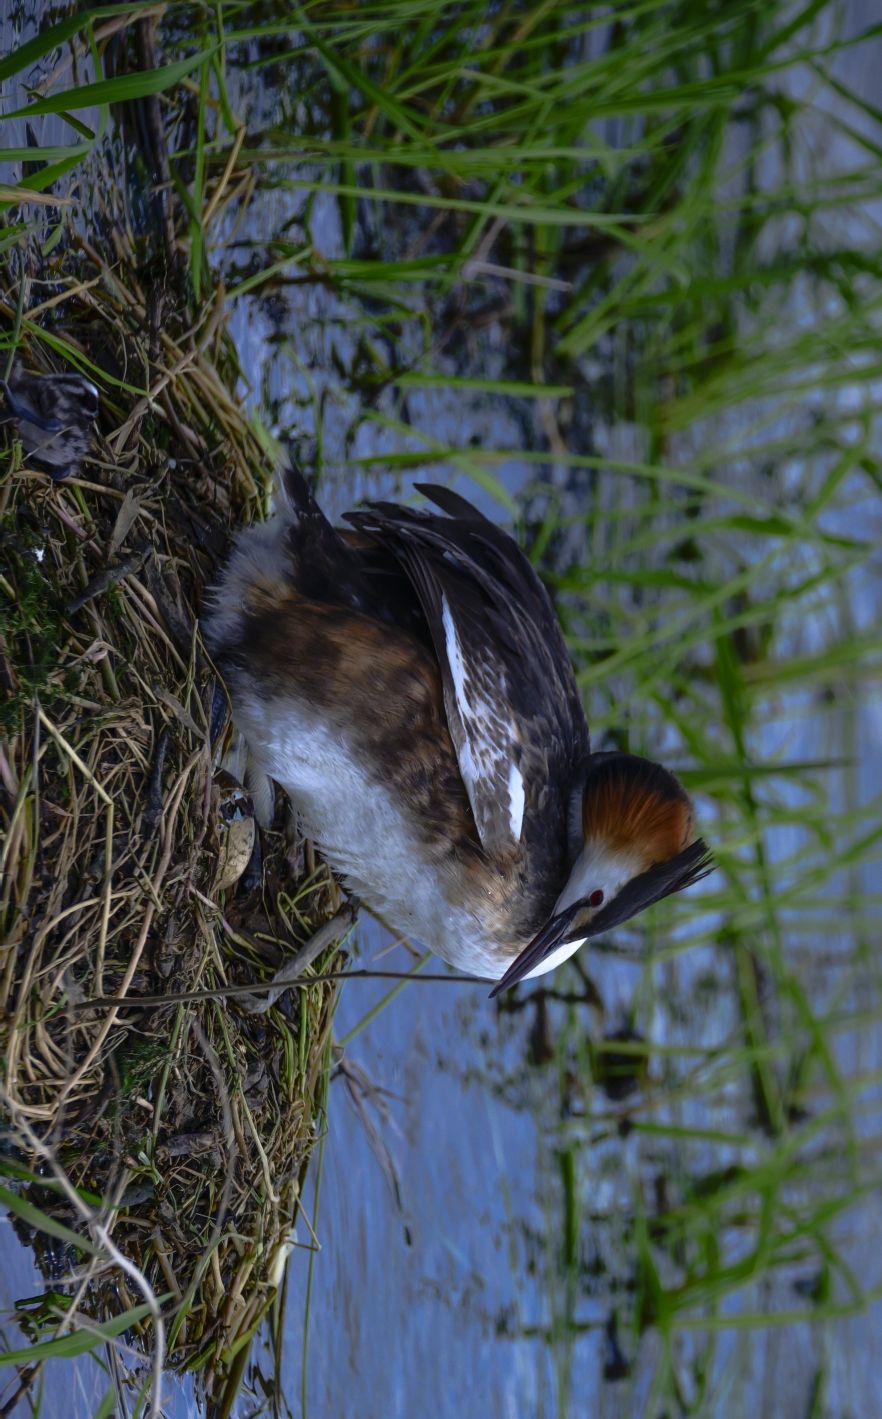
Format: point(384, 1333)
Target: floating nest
point(193, 1120)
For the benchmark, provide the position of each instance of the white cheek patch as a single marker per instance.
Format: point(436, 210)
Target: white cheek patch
point(561, 954)
point(598, 868)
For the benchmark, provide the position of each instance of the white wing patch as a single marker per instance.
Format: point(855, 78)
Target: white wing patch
point(515, 801)
point(486, 742)
point(454, 654)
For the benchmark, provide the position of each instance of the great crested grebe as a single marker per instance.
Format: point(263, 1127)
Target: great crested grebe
point(407, 683)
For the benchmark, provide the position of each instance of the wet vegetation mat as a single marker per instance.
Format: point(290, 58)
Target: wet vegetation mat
point(616, 270)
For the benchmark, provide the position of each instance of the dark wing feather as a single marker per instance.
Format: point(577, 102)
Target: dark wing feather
point(510, 695)
point(338, 567)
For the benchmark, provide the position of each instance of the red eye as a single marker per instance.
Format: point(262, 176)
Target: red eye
point(596, 898)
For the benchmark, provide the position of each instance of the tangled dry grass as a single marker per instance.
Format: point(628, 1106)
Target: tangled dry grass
point(196, 1119)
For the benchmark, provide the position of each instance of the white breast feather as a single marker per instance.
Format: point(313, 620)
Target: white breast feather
point(363, 832)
